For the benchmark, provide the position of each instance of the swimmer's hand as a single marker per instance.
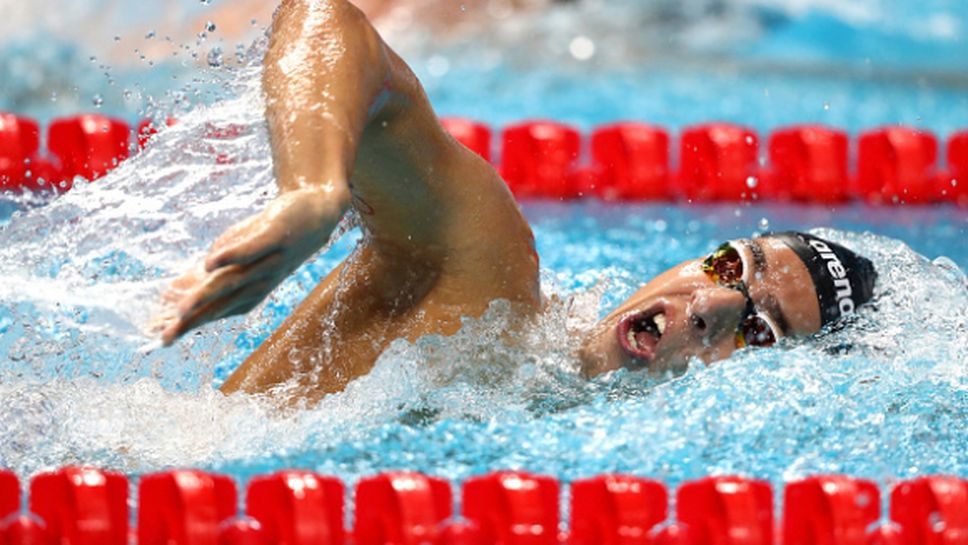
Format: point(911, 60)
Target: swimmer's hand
point(251, 258)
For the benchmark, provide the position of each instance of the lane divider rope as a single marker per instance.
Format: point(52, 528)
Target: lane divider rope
point(88, 506)
point(626, 161)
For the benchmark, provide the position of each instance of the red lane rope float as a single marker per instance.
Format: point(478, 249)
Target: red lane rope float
point(623, 161)
point(19, 139)
point(727, 511)
point(24, 530)
point(21, 165)
point(9, 494)
point(513, 508)
point(616, 510)
point(896, 164)
point(718, 161)
point(184, 508)
point(830, 510)
point(631, 161)
point(297, 508)
point(539, 158)
point(244, 532)
point(81, 506)
point(402, 508)
point(89, 146)
point(932, 511)
point(809, 163)
point(954, 186)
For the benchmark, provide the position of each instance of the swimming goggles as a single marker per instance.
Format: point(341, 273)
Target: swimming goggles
point(727, 267)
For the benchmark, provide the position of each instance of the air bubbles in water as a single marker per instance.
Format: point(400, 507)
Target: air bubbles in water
point(215, 57)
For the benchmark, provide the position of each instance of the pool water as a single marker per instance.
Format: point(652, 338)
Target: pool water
point(885, 397)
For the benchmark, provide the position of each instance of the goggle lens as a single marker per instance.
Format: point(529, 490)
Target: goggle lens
point(755, 331)
point(725, 267)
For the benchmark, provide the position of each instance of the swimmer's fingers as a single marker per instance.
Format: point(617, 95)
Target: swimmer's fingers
point(233, 278)
point(239, 301)
point(182, 285)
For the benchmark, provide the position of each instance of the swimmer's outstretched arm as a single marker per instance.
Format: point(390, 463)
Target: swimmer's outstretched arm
point(325, 74)
point(351, 126)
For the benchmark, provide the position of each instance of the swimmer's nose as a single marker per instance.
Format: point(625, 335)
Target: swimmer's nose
point(714, 311)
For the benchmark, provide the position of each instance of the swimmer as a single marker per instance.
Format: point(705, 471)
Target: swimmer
point(351, 128)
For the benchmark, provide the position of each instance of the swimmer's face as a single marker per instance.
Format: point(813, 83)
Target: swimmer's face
point(686, 313)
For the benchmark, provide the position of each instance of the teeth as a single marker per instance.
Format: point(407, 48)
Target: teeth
point(660, 323)
point(631, 337)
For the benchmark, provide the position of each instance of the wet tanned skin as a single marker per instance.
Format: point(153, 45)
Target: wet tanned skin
point(351, 127)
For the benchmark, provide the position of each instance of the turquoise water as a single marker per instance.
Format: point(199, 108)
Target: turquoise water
point(885, 397)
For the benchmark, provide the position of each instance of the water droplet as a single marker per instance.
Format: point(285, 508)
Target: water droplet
point(954, 182)
point(438, 65)
point(92, 58)
point(210, 26)
point(752, 181)
point(150, 35)
point(826, 106)
point(205, 2)
point(463, 7)
point(582, 48)
point(117, 38)
point(215, 58)
point(936, 522)
point(764, 224)
point(53, 96)
point(749, 139)
point(97, 100)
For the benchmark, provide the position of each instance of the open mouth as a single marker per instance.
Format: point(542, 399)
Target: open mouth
point(639, 334)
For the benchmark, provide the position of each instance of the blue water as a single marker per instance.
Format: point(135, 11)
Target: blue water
point(886, 397)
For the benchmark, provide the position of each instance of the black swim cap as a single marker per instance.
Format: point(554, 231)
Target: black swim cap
point(843, 279)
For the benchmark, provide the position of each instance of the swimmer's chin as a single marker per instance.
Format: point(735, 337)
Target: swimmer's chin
point(598, 357)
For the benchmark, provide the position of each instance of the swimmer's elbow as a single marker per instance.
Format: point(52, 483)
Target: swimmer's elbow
point(322, 17)
point(334, 29)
